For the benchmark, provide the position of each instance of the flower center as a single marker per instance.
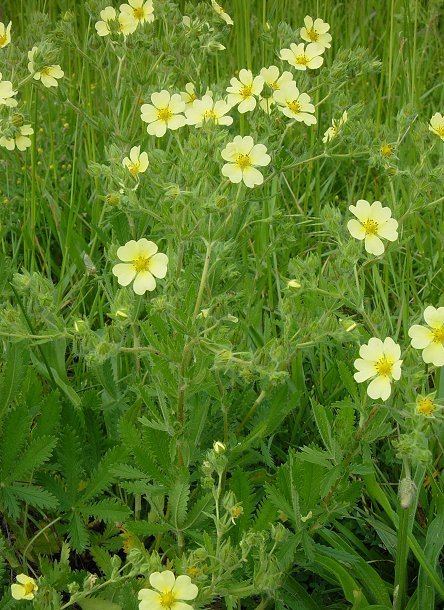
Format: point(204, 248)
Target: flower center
point(386, 150)
point(370, 227)
point(246, 91)
point(2, 40)
point(313, 35)
point(384, 366)
point(210, 115)
point(29, 587)
point(141, 263)
point(134, 168)
point(167, 599)
point(275, 86)
point(164, 114)
point(425, 406)
point(139, 13)
point(243, 161)
point(438, 334)
point(439, 130)
point(302, 60)
point(46, 71)
point(294, 106)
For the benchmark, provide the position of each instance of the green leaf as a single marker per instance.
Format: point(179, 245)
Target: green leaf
point(98, 603)
point(108, 510)
point(178, 501)
point(12, 375)
point(35, 496)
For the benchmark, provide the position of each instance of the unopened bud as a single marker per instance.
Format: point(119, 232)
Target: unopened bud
point(219, 447)
point(406, 492)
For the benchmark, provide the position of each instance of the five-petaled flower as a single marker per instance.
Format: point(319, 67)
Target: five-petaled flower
point(243, 90)
point(24, 588)
point(430, 338)
point(7, 93)
point(436, 125)
point(140, 10)
point(374, 222)
point(5, 34)
point(316, 31)
point(168, 592)
point(380, 362)
point(124, 23)
point(302, 57)
point(189, 95)
point(273, 82)
point(295, 105)
point(141, 263)
point(137, 162)
point(19, 140)
point(48, 75)
point(164, 113)
point(207, 110)
point(243, 155)
point(336, 125)
point(221, 12)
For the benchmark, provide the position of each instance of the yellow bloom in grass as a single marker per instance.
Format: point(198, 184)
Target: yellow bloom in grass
point(110, 23)
point(316, 31)
point(430, 338)
point(47, 75)
point(380, 362)
point(302, 57)
point(425, 405)
point(189, 95)
point(220, 11)
point(140, 10)
point(25, 588)
point(207, 110)
point(168, 592)
point(437, 125)
point(243, 90)
point(164, 113)
point(336, 125)
point(243, 155)
point(273, 83)
point(7, 93)
point(141, 263)
point(137, 162)
point(295, 105)
point(20, 140)
point(374, 222)
point(5, 34)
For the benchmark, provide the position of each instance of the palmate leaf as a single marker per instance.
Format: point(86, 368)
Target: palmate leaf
point(38, 452)
point(108, 510)
point(104, 474)
point(132, 440)
point(178, 501)
point(34, 496)
point(77, 533)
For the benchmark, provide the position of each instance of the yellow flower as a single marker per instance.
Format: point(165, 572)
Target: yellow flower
point(316, 31)
point(386, 150)
point(302, 57)
point(243, 90)
point(207, 110)
point(189, 95)
point(374, 222)
point(220, 11)
point(336, 125)
point(295, 105)
point(137, 162)
point(243, 155)
point(425, 406)
point(164, 113)
point(141, 263)
point(20, 140)
point(140, 10)
point(430, 338)
point(7, 93)
point(25, 588)
point(48, 75)
point(5, 34)
point(170, 593)
point(219, 447)
point(437, 125)
point(274, 83)
point(124, 24)
point(379, 361)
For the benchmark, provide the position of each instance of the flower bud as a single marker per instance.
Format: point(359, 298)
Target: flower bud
point(406, 492)
point(17, 119)
point(219, 447)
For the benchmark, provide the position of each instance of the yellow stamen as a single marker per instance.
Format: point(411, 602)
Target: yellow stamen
point(439, 130)
point(210, 115)
point(246, 91)
point(313, 35)
point(141, 263)
point(3, 40)
point(167, 599)
point(438, 334)
point(139, 13)
point(164, 114)
point(294, 106)
point(384, 366)
point(386, 150)
point(370, 227)
point(425, 406)
point(275, 86)
point(302, 60)
point(29, 587)
point(243, 161)
point(134, 168)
